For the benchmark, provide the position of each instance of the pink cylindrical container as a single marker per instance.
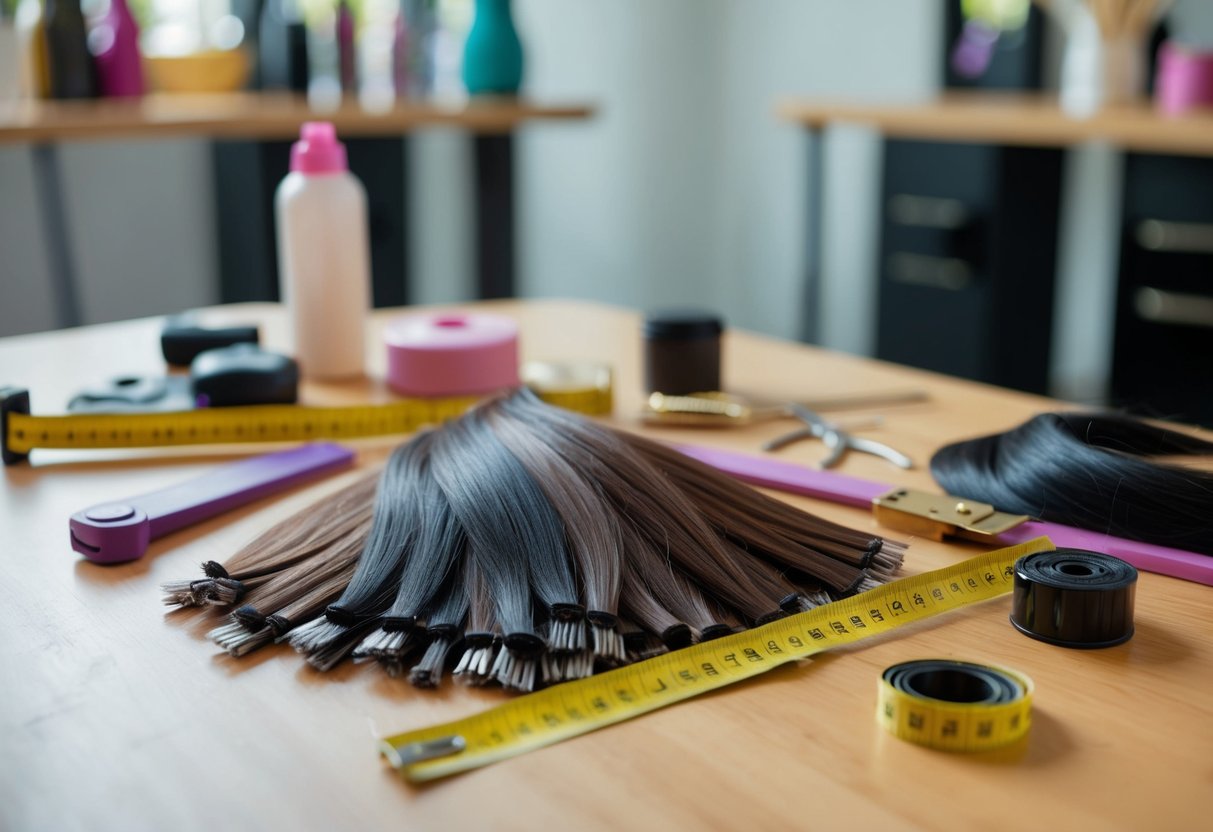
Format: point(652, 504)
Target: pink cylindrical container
point(452, 354)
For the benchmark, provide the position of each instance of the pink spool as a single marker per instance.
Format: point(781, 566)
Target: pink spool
point(451, 354)
point(1185, 79)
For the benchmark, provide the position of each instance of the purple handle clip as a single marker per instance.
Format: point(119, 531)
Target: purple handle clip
point(121, 531)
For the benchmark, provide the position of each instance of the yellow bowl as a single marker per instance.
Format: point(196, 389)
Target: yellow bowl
point(212, 71)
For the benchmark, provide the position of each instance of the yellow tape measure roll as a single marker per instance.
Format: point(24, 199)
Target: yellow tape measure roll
point(23, 432)
point(573, 708)
point(954, 706)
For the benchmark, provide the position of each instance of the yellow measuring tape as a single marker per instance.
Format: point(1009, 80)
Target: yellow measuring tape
point(573, 708)
point(954, 706)
point(275, 423)
point(221, 425)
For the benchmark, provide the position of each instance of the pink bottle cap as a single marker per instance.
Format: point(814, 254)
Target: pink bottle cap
point(451, 355)
point(318, 150)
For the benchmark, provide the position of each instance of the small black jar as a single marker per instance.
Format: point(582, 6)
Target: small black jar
point(682, 352)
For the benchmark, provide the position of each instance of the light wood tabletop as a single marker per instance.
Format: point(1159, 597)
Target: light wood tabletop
point(117, 715)
point(1014, 119)
point(261, 115)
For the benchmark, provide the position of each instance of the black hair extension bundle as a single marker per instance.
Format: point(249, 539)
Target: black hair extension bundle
point(499, 539)
point(444, 629)
point(436, 554)
point(1093, 471)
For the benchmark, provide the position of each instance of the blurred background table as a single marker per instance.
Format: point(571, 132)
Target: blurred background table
point(252, 133)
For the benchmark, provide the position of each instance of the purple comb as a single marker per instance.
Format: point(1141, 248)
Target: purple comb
point(121, 531)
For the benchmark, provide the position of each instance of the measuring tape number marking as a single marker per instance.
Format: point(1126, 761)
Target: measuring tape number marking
point(578, 707)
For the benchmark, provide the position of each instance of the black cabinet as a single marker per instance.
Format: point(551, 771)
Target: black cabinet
point(1164, 308)
point(967, 260)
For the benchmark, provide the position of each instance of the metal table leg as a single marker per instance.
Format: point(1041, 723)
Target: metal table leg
point(814, 236)
point(494, 156)
point(56, 235)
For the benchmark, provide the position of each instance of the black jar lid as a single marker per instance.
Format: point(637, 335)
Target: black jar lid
point(682, 324)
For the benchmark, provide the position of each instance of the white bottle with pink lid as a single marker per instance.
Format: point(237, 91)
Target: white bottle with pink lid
point(324, 255)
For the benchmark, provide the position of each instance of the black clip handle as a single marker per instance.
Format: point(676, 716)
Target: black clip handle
point(12, 400)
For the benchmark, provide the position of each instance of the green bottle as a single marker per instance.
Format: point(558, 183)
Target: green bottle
point(492, 56)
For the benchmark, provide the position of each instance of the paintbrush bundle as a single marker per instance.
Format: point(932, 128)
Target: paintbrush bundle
point(524, 545)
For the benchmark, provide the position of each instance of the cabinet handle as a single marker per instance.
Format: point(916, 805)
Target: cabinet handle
point(950, 273)
point(1176, 237)
point(928, 212)
point(1162, 307)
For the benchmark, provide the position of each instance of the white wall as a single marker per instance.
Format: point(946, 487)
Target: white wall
point(686, 188)
point(141, 220)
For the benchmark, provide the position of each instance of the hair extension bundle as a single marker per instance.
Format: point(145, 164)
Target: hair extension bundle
point(293, 597)
point(517, 540)
point(524, 544)
point(786, 534)
point(480, 641)
point(286, 543)
point(659, 597)
point(661, 511)
point(444, 628)
point(439, 546)
point(592, 529)
point(1088, 470)
point(398, 516)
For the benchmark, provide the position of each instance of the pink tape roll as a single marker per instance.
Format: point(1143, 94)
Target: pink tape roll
point(451, 354)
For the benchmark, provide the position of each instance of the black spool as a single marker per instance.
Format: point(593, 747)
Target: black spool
point(1074, 598)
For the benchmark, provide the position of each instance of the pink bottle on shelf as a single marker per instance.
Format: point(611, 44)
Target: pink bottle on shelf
point(1185, 79)
point(324, 255)
point(114, 43)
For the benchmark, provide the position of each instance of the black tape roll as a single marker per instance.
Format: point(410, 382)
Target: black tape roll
point(1074, 598)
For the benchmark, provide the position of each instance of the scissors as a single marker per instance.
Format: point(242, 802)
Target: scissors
point(837, 440)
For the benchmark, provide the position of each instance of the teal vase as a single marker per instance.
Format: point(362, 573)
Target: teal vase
point(492, 56)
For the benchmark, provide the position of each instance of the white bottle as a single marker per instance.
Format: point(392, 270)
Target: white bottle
point(324, 255)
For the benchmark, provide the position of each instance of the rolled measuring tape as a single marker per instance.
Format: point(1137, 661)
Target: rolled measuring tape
point(1074, 598)
point(954, 706)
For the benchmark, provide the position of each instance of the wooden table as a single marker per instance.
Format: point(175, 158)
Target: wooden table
point(114, 714)
point(247, 258)
point(261, 115)
point(1025, 119)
